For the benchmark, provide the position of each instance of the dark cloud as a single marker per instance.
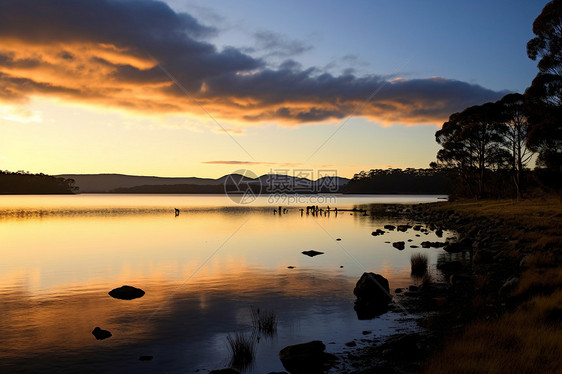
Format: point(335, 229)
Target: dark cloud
point(102, 52)
point(279, 45)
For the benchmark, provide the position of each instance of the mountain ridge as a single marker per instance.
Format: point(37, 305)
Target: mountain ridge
point(108, 182)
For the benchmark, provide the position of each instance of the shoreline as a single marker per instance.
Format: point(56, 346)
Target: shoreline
point(498, 241)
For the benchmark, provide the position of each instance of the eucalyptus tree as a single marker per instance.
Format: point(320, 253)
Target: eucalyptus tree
point(544, 96)
point(515, 131)
point(471, 143)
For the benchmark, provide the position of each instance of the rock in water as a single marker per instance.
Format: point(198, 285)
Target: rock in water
point(306, 358)
point(126, 293)
point(101, 334)
point(403, 228)
point(312, 253)
point(398, 245)
point(373, 295)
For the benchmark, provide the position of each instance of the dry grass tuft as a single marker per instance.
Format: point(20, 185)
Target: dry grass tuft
point(539, 281)
point(264, 321)
point(242, 349)
point(419, 264)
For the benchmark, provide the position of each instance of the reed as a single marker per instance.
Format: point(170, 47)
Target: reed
point(419, 264)
point(264, 321)
point(242, 349)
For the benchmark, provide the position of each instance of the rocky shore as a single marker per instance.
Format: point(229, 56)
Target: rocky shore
point(491, 251)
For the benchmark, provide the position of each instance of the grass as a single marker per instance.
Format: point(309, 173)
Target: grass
point(242, 349)
point(419, 264)
point(427, 279)
point(527, 339)
point(264, 321)
point(524, 341)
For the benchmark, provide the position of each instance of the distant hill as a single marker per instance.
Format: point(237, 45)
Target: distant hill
point(100, 183)
point(119, 183)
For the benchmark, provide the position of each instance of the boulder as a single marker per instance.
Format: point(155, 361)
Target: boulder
point(101, 334)
point(460, 280)
point(389, 227)
point(403, 228)
point(454, 247)
point(126, 293)
point(483, 256)
point(398, 245)
point(449, 267)
point(312, 253)
point(305, 358)
point(401, 346)
point(508, 286)
point(428, 244)
point(525, 261)
point(373, 295)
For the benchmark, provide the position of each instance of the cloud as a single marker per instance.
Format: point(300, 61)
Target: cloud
point(279, 45)
point(236, 162)
point(103, 53)
point(18, 114)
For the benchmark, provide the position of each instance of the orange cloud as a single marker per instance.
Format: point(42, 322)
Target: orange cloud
point(100, 54)
point(236, 162)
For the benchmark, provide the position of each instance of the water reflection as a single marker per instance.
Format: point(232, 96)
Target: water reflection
point(202, 271)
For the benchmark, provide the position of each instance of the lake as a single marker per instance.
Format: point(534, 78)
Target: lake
point(202, 272)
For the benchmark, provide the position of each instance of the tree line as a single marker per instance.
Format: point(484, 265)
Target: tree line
point(24, 183)
point(398, 181)
point(489, 147)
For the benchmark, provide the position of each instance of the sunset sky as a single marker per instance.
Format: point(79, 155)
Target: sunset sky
point(199, 88)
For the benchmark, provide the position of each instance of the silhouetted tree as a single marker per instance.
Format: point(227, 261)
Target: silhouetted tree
point(25, 183)
point(471, 143)
point(398, 181)
point(544, 97)
point(515, 132)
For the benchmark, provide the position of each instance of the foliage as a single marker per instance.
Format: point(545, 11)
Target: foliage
point(544, 96)
point(515, 131)
point(470, 141)
point(25, 183)
point(398, 181)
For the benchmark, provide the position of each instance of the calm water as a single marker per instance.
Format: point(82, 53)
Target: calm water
point(202, 271)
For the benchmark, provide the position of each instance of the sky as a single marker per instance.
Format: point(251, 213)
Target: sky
point(183, 88)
